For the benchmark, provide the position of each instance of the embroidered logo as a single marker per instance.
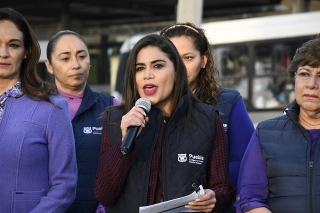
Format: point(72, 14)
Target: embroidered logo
point(97, 130)
point(182, 158)
point(196, 159)
point(92, 130)
point(87, 130)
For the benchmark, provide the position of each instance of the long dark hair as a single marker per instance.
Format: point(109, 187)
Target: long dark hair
point(209, 88)
point(130, 93)
point(31, 82)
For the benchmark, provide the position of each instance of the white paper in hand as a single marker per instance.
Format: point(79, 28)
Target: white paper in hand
point(173, 206)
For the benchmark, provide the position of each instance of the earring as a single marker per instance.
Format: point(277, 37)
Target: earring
point(204, 66)
point(25, 57)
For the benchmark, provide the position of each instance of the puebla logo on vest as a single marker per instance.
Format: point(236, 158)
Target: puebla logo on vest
point(194, 159)
point(92, 130)
point(182, 158)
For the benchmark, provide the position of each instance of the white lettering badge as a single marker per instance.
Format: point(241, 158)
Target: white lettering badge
point(196, 159)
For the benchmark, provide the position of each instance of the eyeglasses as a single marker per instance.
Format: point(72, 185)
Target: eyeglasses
point(306, 76)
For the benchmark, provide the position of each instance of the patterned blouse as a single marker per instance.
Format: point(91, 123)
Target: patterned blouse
point(14, 92)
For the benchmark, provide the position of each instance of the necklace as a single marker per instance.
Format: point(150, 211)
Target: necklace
point(311, 126)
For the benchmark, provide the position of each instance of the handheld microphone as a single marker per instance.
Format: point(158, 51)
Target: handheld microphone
point(132, 132)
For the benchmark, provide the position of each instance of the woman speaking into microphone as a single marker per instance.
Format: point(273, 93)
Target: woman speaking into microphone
point(180, 142)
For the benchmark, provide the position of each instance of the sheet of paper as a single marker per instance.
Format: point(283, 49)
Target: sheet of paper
point(172, 206)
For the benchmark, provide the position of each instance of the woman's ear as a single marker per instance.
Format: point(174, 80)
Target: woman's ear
point(204, 61)
point(26, 53)
point(49, 67)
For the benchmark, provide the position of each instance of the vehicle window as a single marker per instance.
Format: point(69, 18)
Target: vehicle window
point(232, 63)
point(271, 84)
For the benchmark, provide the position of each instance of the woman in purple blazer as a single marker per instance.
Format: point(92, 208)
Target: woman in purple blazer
point(37, 155)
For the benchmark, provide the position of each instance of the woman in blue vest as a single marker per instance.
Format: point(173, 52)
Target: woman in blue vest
point(69, 62)
point(195, 51)
point(280, 172)
point(181, 143)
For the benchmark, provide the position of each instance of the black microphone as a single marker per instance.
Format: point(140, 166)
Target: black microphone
point(132, 132)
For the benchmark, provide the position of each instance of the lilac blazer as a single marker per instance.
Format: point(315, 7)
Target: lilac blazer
point(38, 170)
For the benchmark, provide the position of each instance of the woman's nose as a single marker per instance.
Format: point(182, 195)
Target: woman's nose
point(148, 73)
point(313, 82)
point(76, 64)
point(4, 52)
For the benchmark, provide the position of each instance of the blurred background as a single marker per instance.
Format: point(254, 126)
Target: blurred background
point(253, 41)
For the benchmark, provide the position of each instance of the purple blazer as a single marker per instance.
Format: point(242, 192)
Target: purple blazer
point(38, 170)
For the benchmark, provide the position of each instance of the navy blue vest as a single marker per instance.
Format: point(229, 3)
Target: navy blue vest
point(226, 101)
point(185, 154)
point(294, 178)
point(87, 129)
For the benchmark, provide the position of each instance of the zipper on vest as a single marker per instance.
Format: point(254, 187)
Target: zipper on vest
point(311, 183)
point(311, 165)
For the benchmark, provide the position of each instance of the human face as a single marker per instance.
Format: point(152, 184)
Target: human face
point(155, 77)
point(308, 92)
point(12, 53)
point(191, 57)
point(70, 64)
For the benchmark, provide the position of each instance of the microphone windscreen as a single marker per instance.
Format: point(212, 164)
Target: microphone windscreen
point(143, 103)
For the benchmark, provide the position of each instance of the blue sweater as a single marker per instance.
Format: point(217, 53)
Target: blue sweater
point(238, 126)
point(37, 156)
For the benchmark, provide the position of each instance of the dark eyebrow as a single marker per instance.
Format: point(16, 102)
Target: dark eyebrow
point(188, 53)
point(159, 60)
point(140, 64)
point(308, 70)
point(63, 53)
point(15, 39)
point(79, 51)
point(152, 62)
point(304, 68)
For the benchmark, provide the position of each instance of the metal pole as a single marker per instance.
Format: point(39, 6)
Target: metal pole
point(190, 11)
